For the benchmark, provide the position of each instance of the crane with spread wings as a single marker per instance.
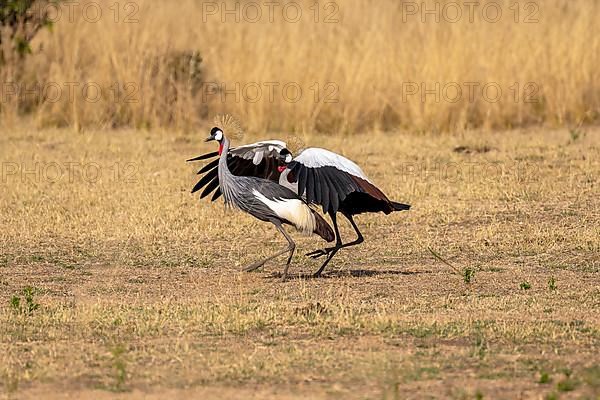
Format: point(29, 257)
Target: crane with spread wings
point(319, 176)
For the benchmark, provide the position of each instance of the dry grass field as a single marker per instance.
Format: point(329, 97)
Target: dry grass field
point(344, 66)
point(116, 282)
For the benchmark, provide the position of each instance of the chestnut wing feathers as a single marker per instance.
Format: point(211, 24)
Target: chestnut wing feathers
point(326, 179)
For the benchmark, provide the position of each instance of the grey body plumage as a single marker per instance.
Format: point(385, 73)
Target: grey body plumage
point(238, 190)
point(267, 201)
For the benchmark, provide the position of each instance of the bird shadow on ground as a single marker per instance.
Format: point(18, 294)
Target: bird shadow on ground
point(354, 273)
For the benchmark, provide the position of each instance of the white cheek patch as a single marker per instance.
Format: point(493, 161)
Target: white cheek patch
point(218, 135)
point(288, 158)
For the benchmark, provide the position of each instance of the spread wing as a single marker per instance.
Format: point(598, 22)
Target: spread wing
point(326, 178)
point(256, 159)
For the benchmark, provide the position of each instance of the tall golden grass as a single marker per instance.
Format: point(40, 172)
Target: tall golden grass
point(356, 72)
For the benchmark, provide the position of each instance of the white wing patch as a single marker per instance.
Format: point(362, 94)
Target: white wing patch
point(257, 151)
point(315, 157)
point(258, 157)
point(293, 210)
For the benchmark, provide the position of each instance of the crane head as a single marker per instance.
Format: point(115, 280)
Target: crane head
point(285, 157)
point(216, 134)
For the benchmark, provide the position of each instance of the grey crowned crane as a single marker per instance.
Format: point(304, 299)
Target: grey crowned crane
point(320, 176)
point(266, 200)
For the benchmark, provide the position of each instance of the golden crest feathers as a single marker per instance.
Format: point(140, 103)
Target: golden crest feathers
point(229, 125)
point(294, 143)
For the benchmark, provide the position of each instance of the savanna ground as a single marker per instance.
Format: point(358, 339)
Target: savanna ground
point(116, 282)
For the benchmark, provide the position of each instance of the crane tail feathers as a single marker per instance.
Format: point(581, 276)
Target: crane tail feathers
point(400, 206)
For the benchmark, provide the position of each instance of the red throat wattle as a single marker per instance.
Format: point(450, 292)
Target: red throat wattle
point(220, 148)
point(281, 168)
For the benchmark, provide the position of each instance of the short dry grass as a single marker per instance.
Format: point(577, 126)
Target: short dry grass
point(135, 287)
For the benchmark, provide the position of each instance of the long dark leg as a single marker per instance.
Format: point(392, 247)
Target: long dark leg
point(290, 248)
point(339, 245)
point(359, 238)
point(332, 251)
point(338, 240)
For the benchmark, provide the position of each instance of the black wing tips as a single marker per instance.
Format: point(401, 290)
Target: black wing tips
point(325, 186)
point(399, 206)
point(210, 187)
point(216, 195)
point(329, 187)
point(238, 165)
point(211, 179)
point(204, 156)
point(211, 165)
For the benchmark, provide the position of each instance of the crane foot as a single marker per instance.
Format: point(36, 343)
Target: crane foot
point(320, 253)
point(253, 266)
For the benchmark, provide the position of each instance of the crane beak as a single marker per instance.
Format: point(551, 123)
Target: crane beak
point(208, 139)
